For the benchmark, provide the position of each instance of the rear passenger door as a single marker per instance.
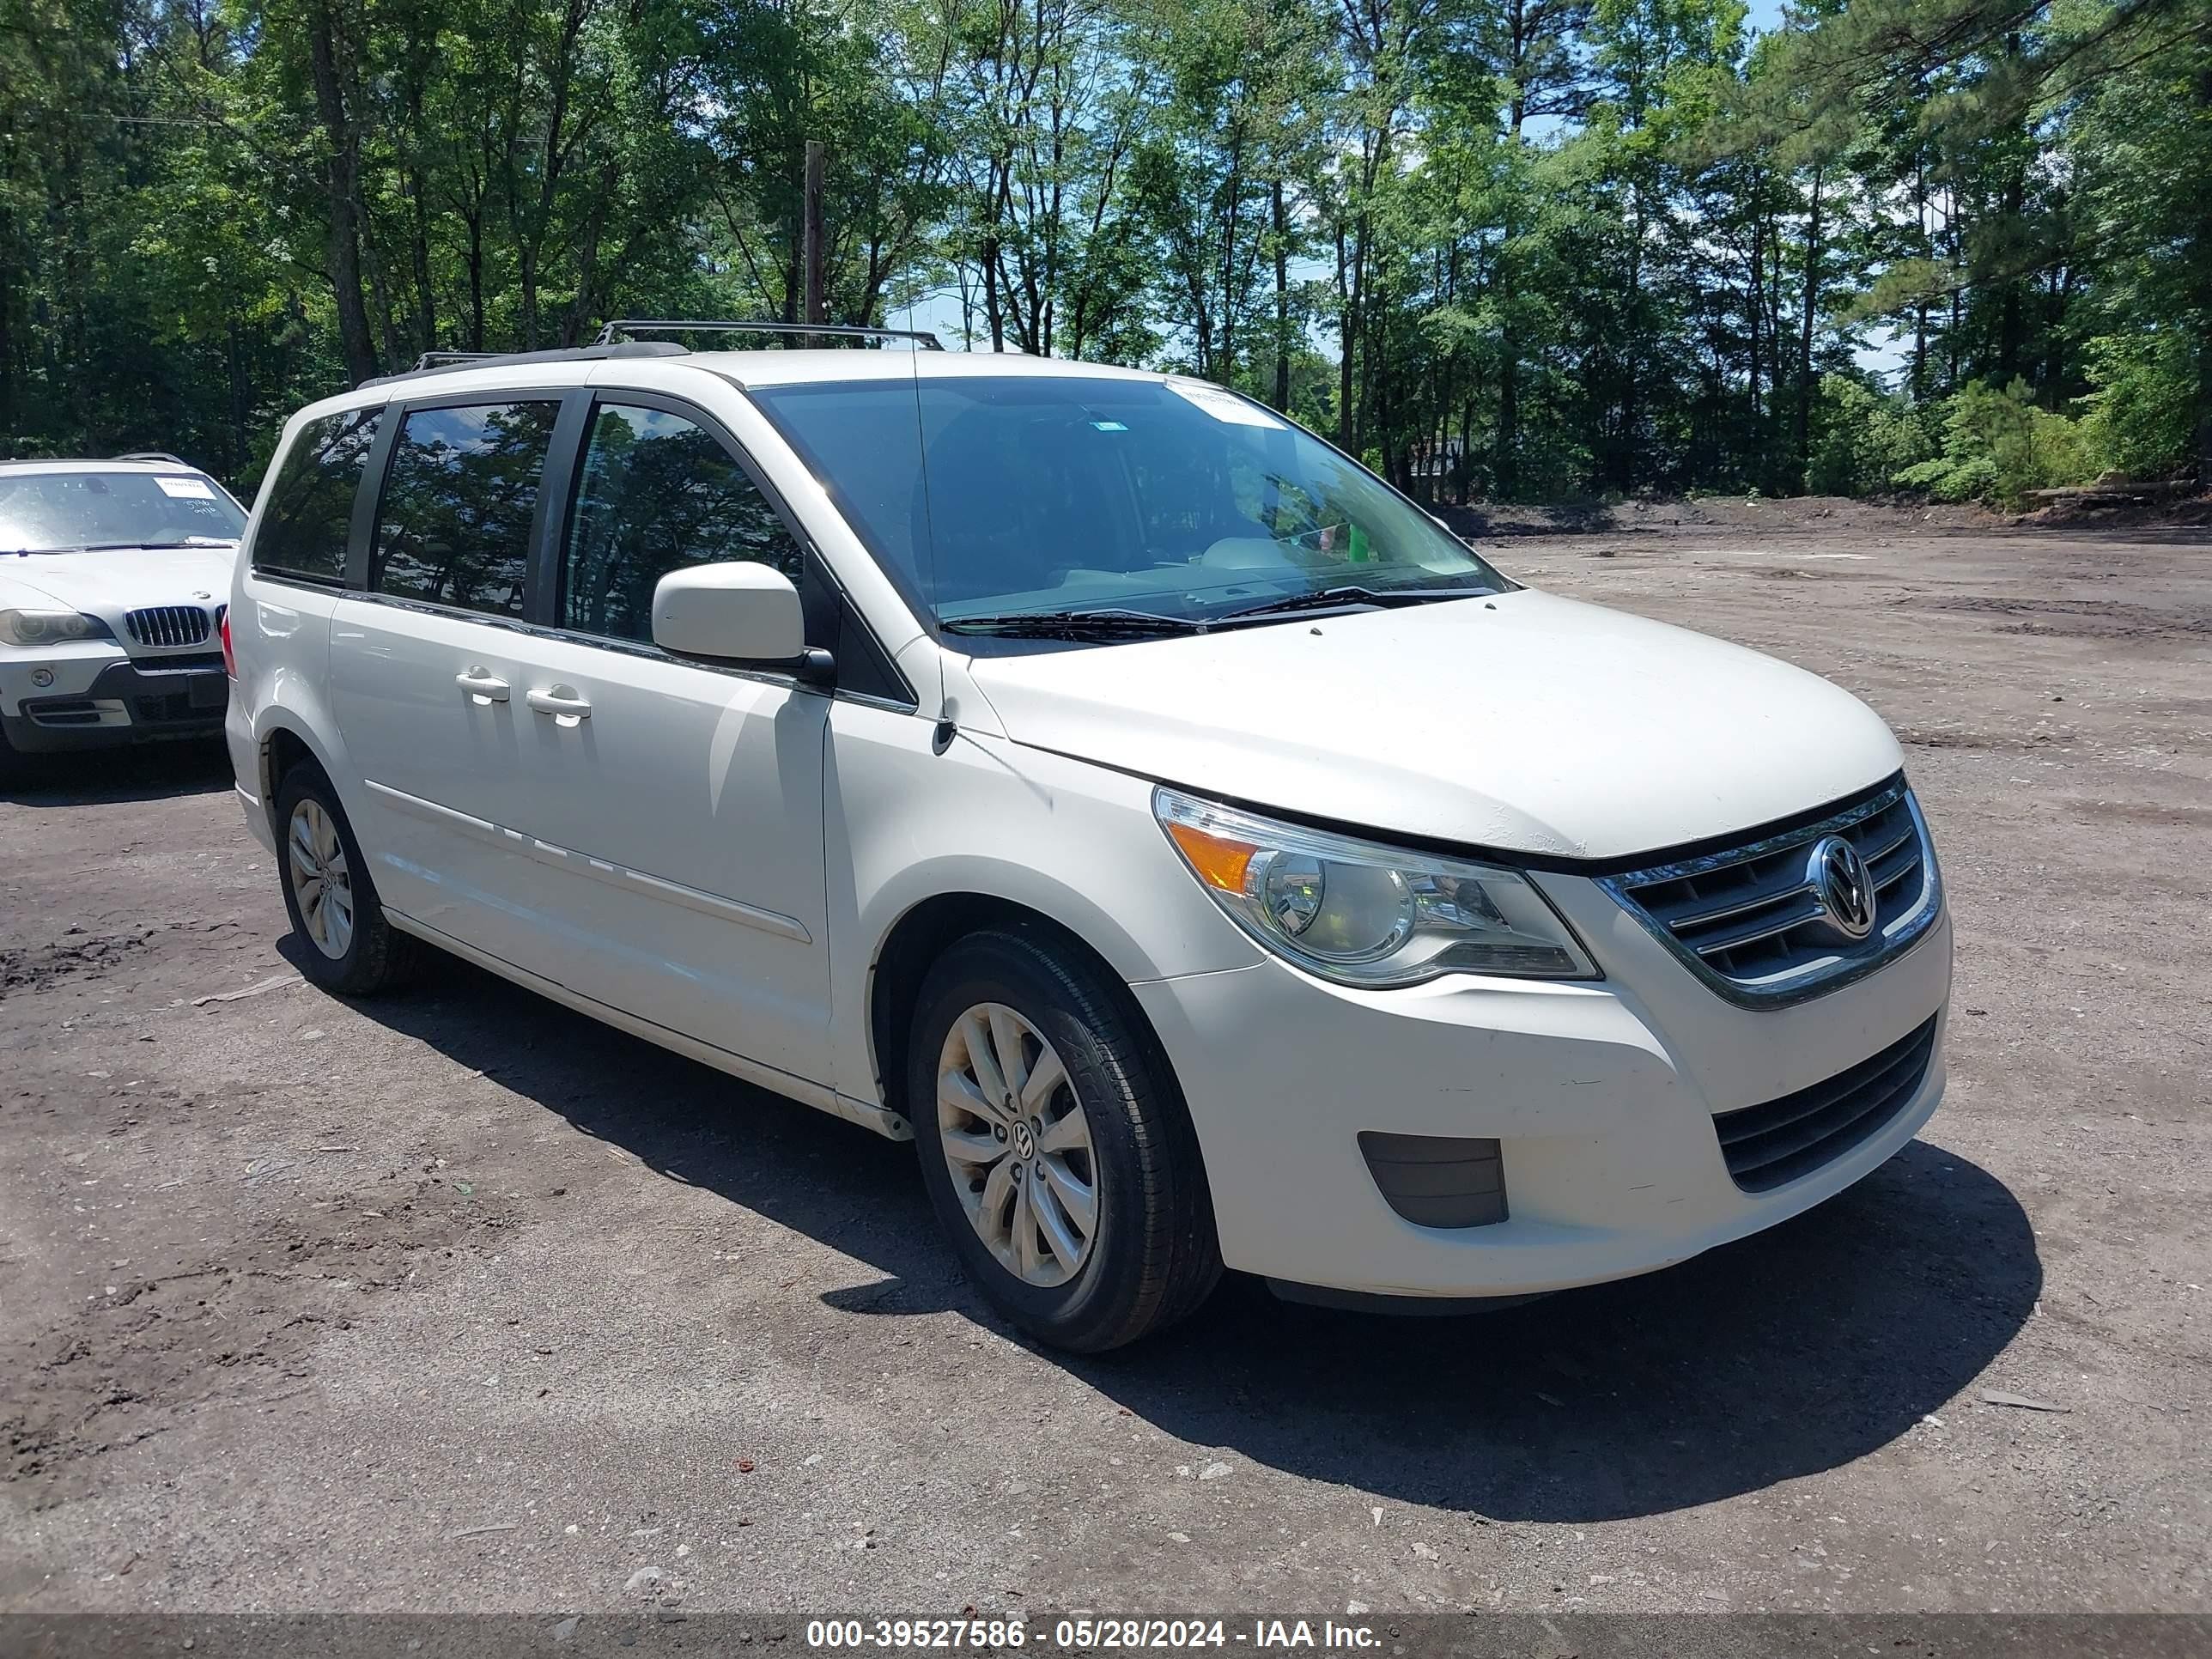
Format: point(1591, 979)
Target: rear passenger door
point(428, 659)
point(672, 809)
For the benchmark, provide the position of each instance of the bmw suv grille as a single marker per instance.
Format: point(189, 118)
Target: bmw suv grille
point(168, 625)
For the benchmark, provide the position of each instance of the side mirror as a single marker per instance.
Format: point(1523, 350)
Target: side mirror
point(742, 612)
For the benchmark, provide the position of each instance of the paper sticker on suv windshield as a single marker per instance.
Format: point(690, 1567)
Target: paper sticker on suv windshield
point(1224, 406)
point(188, 490)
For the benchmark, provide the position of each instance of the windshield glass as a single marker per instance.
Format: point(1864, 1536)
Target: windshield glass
point(1029, 495)
point(61, 512)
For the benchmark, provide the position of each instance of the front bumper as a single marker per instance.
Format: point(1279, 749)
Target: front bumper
point(1601, 1097)
point(102, 702)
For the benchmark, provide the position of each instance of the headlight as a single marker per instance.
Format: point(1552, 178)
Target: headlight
point(1367, 914)
point(50, 627)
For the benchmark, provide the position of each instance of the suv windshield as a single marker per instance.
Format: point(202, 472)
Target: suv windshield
point(66, 512)
point(1163, 503)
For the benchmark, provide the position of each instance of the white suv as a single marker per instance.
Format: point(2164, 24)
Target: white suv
point(111, 579)
point(1204, 856)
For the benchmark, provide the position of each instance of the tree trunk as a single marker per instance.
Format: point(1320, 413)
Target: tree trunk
point(1754, 300)
point(2010, 332)
point(1926, 250)
point(343, 241)
point(1347, 332)
point(1282, 296)
point(2204, 414)
point(1805, 331)
point(476, 281)
point(1505, 465)
point(426, 303)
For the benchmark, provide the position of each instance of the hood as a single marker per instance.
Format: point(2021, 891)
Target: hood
point(107, 584)
point(1524, 722)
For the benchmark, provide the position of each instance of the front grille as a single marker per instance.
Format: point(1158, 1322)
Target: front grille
point(1750, 920)
point(1771, 1145)
point(167, 625)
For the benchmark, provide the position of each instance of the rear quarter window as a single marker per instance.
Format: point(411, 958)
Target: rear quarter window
point(309, 518)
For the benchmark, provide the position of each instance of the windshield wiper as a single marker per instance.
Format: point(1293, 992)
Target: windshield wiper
point(1343, 598)
point(143, 547)
point(1075, 625)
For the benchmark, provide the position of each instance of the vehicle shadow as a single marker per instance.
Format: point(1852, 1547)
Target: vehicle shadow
point(1783, 1355)
point(152, 771)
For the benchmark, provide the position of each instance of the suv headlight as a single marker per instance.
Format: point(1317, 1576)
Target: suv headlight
point(50, 627)
point(1363, 914)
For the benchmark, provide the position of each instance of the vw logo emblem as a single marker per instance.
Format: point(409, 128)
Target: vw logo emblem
point(1840, 885)
point(1025, 1145)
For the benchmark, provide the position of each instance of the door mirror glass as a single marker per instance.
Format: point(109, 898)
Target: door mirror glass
point(742, 612)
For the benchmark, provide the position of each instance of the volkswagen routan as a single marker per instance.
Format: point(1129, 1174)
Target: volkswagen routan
point(1203, 856)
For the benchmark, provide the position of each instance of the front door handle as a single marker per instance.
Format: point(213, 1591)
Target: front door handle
point(483, 684)
point(559, 702)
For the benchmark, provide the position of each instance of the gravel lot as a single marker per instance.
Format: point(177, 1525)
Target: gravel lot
point(460, 1302)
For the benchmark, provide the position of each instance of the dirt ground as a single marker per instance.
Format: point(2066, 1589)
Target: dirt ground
point(460, 1302)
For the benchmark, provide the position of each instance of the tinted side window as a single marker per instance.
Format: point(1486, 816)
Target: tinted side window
point(454, 527)
point(656, 493)
point(310, 515)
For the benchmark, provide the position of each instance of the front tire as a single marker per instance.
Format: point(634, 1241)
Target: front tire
point(348, 946)
point(1054, 1145)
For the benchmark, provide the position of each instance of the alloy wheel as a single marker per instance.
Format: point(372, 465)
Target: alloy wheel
point(1017, 1143)
point(321, 881)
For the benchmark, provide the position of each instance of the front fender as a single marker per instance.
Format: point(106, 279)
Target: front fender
point(1074, 843)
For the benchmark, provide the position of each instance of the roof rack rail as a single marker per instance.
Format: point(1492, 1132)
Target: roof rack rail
point(922, 339)
point(449, 362)
point(154, 455)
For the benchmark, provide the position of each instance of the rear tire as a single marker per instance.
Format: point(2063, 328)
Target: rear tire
point(346, 944)
point(1028, 1072)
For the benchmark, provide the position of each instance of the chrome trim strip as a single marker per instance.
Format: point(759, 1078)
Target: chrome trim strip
point(583, 864)
point(1738, 938)
point(1706, 918)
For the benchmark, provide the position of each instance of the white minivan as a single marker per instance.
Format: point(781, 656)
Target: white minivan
point(1202, 854)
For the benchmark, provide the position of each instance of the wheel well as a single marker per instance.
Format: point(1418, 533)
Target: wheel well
point(926, 932)
point(281, 751)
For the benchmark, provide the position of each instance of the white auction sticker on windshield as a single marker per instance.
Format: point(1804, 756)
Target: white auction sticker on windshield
point(1225, 406)
point(186, 489)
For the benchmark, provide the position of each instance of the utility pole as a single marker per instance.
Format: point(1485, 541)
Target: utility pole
point(811, 241)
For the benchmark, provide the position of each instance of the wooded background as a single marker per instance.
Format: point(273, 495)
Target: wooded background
point(1502, 249)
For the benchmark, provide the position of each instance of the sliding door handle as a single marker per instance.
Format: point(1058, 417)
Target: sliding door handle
point(483, 684)
point(559, 702)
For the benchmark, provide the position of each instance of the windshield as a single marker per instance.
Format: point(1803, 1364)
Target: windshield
point(1026, 496)
point(63, 511)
